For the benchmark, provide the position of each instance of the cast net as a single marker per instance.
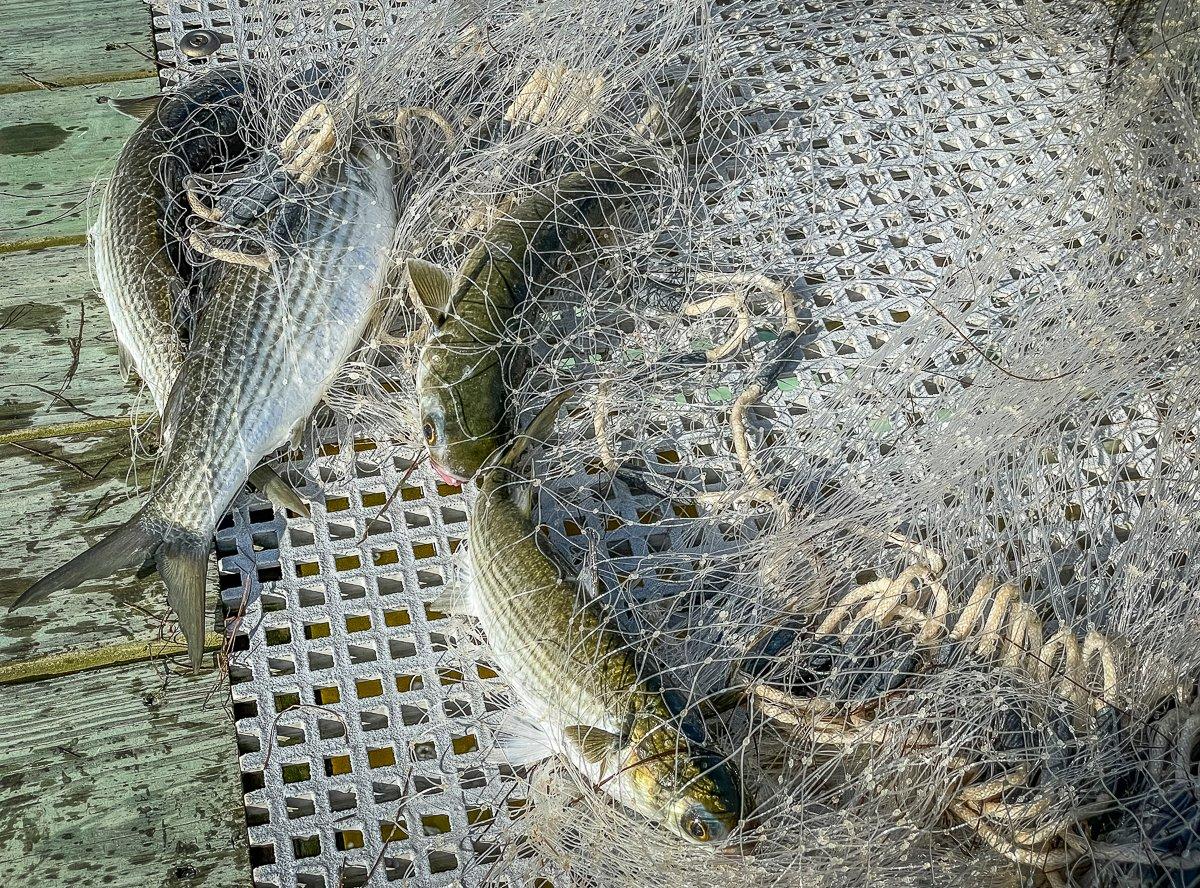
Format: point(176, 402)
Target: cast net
point(883, 414)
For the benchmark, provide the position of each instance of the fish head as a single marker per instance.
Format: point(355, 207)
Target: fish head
point(693, 791)
point(463, 419)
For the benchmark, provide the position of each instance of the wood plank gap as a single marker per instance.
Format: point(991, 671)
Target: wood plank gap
point(45, 243)
point(71, 429)
point(70, 662)
point(20, 86)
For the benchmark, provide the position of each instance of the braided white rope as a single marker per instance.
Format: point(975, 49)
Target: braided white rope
point(1003, 630)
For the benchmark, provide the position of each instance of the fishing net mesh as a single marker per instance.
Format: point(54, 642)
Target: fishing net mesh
point(884, 410)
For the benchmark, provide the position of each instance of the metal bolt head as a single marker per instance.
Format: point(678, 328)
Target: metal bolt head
point(200, 44)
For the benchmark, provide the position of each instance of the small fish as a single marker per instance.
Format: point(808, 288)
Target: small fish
point(266, 346)
point(460, 374)
point(149, 286)
point(586, 694)
point(461, 370)
point(142, 267)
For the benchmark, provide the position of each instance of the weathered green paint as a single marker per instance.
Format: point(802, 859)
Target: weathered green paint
point(56, 40)
point(120, 778)
point(31, 138)
point(57, 508)
point(108, 777)
point(34, 244)
point(50, 187)
point(41, 297)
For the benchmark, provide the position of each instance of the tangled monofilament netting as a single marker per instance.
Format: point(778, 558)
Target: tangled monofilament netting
point(884, 406)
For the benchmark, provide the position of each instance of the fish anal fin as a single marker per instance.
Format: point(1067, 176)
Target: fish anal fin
point(596, 744)
point(431, 288)
point(184, 569)
point(139, 107)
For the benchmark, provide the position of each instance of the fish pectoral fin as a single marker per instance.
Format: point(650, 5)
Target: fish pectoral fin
point(537, 430)
point(519, 741)
point(453, 598)
point(596, 744)
point(139, 108)
point(431, 288)
point(268, 482)
point(522, 497)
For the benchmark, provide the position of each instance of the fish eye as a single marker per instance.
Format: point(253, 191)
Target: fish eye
point(694, 826)
point(430, 432)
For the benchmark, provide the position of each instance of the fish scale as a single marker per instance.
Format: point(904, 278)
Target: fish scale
point(541, 623)
point(136, 282)
point(460, 371)
point(142, 273)
point(256, 359)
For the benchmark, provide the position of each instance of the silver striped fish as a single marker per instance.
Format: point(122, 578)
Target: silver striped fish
point(137, 240)
point(585, 692)
point(266, 346)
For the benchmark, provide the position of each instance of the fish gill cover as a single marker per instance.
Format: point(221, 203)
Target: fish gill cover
point(884, 383)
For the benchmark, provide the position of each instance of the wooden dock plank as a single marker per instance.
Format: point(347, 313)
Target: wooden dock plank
point(108, 777)
point(66, 41)
point(120, 778)
point(53, 144)
point(63, 508)
point(44, 297)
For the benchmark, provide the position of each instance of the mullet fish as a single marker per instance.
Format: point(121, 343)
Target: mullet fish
point(150, 288)
point(461, 370)
point(585, 693)
point(266, 346)
point(142, 267)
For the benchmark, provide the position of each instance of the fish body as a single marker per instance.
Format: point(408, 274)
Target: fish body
point(137, 241)
point(265, 348)
point(268, 343)
point(578, 678)
point(461, 371)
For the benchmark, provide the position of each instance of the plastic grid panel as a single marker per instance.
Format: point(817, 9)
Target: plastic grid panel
point(360, 780)
point(241, 24)
point(359, 709)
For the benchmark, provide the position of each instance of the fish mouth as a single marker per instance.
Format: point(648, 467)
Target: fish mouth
point(443, 475)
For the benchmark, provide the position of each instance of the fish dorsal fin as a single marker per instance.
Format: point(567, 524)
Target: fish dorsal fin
point(139, 108)
point(596, 744)
point(537, 430)
point(431, 288)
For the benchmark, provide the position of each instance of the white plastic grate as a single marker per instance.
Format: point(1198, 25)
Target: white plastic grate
point(361, 715)
point(358, 708)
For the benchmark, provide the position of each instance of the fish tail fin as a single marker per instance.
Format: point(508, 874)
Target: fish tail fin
point(183, 565)
point(130, 545)
point(269, 483)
